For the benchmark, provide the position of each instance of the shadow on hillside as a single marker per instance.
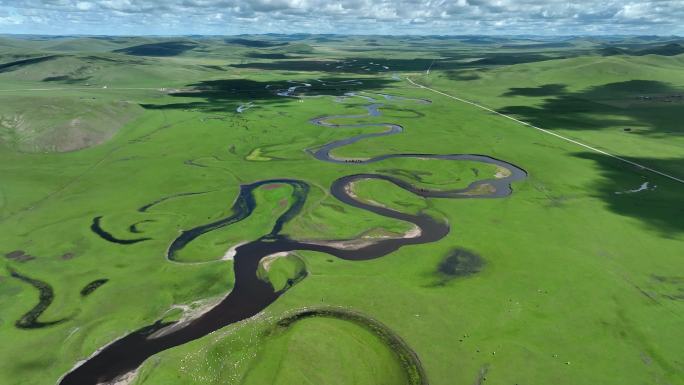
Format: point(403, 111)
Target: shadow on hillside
point(17, 64)
point(255, 43)
point(671, 49)
point(500, 59)
point(561, 44)
point(268, 55)
point(163, 49)
point(226, 95)
point(66, 79)
point(659, 204)
point(464, 75)
point(363, 65)
point(653, 107)
point(350, 65)
point(545, 90)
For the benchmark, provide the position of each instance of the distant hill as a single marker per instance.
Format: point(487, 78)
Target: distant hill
point(671, 49)
point(513, 59)
point(89, 44)
point(613, 51)
point(167, 48)
point(254, 43)
point(300, 48)
point(326, 40)
point(266, 55)
point(562, 44)
point(14, 65)
point(483, 40)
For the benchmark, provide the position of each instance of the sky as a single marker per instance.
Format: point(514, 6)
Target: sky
point(421, 17)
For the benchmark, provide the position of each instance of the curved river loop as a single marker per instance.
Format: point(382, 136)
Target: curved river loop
point(251, 295)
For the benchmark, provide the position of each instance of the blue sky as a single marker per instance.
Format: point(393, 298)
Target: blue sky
point(177, 17)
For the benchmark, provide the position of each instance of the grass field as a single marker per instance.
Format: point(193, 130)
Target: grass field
point(576, 277)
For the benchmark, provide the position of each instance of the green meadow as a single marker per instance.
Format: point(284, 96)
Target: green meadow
point(577, 274)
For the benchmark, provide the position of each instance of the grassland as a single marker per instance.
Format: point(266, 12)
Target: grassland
point(579, 281)
point(49, 123)
point(286, 357)
point(627, 105)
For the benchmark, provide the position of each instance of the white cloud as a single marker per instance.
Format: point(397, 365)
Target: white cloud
point(84, 6)
point(11, 20)
point(345, 16)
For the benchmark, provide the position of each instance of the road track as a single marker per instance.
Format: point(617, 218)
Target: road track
point(638, 165)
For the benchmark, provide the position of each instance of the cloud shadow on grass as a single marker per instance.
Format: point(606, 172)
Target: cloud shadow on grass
point(545, 90)
point(226, 95)
point(365, 65)
point(162, 49)
point(349, 65)
point(653, 106)
point(660, 205)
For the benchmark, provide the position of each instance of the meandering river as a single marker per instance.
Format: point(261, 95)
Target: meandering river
point(250, 295)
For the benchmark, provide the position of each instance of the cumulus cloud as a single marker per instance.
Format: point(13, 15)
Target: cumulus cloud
point(342, 16)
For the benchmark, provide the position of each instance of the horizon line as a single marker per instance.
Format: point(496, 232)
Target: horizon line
point(340, 34)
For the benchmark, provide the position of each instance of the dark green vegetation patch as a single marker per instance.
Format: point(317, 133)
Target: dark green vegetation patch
point(92, 286)
point(19, 256)
point(45, 298)
point(460, 263)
